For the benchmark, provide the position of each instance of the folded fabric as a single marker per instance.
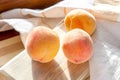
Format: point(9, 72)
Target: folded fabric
point(101, 11)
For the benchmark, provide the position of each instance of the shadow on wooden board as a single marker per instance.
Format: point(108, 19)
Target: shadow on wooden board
point(47, 71)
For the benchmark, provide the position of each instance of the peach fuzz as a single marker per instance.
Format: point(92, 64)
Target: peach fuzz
point(42, 44)
point(79, 18)
point(77, 46)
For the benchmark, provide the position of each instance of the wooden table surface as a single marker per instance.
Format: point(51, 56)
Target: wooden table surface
point(10, 45)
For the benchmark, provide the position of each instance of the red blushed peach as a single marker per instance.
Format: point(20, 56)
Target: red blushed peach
point(77, 46)
point(82, 19)
point(42, 44)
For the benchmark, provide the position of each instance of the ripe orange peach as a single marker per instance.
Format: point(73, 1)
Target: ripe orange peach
point(42, 44)
point(82, 19)
point(77, 46)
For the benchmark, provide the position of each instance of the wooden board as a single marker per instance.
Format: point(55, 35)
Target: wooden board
point(22, 67)
point(9, 48)
point(37, 4)
point(5, 76)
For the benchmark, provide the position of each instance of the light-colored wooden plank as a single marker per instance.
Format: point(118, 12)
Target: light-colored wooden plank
point(4, 59)
point(5, 76)
point(23, 68)
point(9, 41)
point(10, 48)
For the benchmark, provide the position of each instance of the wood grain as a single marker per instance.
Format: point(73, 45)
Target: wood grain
point(54, 70)
point(35, 4)
point(8, 34)
point(5, 76)
point(9, 48)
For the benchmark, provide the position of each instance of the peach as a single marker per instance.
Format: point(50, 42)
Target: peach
point(82, 19)
point(77, 46)
point(42, 44)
